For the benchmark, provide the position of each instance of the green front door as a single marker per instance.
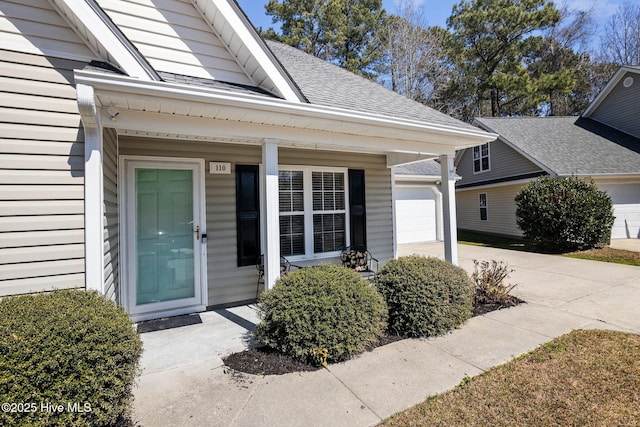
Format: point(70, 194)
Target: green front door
point(164, 235)
point(164, 245)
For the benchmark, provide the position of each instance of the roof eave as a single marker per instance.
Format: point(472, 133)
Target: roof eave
point(297, 114)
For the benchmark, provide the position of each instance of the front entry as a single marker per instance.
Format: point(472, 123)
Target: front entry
point(164, 258)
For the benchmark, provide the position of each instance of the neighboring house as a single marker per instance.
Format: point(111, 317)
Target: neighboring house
point(602, 144)
point(153, 150)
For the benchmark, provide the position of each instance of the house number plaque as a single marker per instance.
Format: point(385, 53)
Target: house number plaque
point(219, 168)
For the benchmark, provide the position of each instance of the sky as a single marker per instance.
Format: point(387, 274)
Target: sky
point(436, 12)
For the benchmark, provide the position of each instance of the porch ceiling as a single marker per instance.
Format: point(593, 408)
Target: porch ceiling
point(168, 110)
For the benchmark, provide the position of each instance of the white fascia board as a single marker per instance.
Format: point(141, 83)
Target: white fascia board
point(426, 178)
point(211, 129)
point(608, 88)
point(95, 24)
point(448, 137)
point(243, 29)
point(515, 147)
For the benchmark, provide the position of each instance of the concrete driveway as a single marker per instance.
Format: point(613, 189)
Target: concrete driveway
point(626, 244)
point(185, 383)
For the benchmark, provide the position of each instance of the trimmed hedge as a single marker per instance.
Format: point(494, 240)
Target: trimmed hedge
point(67, 357)
point(558, 214)
point(425, 296)
point(320, 314)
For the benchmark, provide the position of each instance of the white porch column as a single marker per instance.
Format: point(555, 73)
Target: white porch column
point(271, 214)
point(93, 189)
point(450, 234)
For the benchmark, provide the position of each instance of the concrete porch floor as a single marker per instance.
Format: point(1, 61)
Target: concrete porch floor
point(185, 383)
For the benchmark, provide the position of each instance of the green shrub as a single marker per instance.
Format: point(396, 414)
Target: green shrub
point(320, 314)
point(425, 296)
point(488, 279)
point(68, 348)
point(558, 214)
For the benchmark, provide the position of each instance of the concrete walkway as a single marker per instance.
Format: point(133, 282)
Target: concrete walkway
point(185, 383)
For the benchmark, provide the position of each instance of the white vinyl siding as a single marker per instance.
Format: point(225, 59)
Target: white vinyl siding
point(501, 219)
point(41, 173)
point(505, 162)
point(228, 283)
point(33, 26)
point(173, 37)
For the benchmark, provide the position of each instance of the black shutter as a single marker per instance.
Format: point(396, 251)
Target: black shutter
point(247, 214)
point(357, 210)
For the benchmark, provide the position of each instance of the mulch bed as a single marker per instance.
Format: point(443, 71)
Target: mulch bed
point(480, 309)
point(267, 361)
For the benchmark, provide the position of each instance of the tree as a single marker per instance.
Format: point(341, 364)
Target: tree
point(341, 31)
point(559, 65)
point(414, 54)
point(620, 43)
point(558, 214)
point(490, 38)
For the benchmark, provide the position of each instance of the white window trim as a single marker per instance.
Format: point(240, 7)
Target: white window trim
point(486, 206)
point(488, 156)
point(308, 209)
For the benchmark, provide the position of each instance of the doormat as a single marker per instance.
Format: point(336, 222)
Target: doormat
point(169, 323)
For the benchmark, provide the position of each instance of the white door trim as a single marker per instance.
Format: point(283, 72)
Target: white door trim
point(127, 240)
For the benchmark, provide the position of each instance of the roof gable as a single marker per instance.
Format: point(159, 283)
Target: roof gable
point(568, 145)
point(210, 39)
point(618, 105)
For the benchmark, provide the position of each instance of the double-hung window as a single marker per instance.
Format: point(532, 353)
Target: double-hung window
point(481, 158)
point(484, 207)
point(313, 211)
point(291, 192)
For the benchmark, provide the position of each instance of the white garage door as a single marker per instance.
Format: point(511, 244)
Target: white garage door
point(415, 214)
point(626, 208)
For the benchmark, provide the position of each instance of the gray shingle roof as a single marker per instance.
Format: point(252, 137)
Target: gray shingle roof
point(425, 167)
point(569, 145)
point(217, 84)
point(326, 84)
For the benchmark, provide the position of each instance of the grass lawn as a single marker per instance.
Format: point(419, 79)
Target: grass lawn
point(607, 254)
point(619, 256)
point(584, 378)
point(480, 239)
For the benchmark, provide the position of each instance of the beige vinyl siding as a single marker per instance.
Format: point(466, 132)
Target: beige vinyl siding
point(173, 37)
point(228, 283)
point(33, 26)
point(501, 210)
point(504, 162)
point(41, 174)
point(111, 226)
point(620, 108)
